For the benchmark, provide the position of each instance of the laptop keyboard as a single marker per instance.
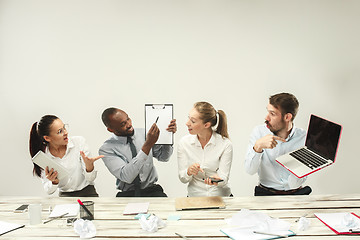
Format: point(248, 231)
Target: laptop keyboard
point(308, 158)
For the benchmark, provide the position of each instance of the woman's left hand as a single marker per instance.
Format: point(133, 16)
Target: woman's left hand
point(89, 162)
point(209, 182)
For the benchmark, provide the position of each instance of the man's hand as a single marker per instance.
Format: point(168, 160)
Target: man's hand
point(269, 141)
point(151, 138)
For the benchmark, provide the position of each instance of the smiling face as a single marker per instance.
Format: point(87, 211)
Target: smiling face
point(195, 124)
point(58, 134)
point(121, 124)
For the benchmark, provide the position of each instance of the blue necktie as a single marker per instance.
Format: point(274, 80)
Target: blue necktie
point(136, 181)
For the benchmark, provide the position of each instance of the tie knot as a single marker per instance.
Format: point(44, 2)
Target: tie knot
point(129, 139)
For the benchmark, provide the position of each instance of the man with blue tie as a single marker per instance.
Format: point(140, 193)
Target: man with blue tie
point(129, 157)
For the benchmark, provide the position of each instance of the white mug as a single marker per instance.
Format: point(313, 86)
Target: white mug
point(35, 214)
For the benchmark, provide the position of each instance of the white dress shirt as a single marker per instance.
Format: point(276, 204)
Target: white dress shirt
point(215, 158)
point(73, 162)
point(271, 173)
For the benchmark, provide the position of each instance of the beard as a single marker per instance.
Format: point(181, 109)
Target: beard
point(274, 130)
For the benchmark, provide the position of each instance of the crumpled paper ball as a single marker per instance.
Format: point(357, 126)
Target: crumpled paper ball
point(350, 221)
point(303, 224)
point(152, 224)
point(85, 228)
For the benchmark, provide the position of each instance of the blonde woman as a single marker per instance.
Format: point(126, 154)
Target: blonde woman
point(205, 155)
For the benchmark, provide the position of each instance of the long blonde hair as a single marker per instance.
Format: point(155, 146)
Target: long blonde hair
point(209, 114)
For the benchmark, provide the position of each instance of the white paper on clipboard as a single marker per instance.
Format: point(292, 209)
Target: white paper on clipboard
point(165, 114)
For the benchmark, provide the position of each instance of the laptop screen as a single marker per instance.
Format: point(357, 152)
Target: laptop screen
point(323, 137)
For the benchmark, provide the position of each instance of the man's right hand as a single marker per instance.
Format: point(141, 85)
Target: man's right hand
point(151, 138)
point(269, 141)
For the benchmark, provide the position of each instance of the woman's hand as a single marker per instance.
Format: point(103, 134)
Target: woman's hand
point(209, 182)
point(194, 169)
point(52, 175)
point(89, 162)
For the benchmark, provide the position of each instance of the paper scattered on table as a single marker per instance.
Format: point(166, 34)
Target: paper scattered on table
point(6, 227)
point(152, 224)
point(174, 218)
point(71, 209)
point(245, 222)
point(341, 222)
point(84, 228)
point(303, 224)
point(135, 208)
point(146, 215)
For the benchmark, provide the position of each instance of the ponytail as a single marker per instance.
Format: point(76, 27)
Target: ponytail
point(209, 114)
point(37, 142)
point(35, 145)
point(222, 124)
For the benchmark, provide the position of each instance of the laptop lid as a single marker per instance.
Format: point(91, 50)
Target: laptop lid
point(323, 137)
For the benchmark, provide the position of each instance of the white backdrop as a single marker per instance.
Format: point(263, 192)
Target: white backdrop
point(76, 58)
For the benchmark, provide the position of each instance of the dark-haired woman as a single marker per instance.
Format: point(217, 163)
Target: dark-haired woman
point(50, 135)
point(206, 153)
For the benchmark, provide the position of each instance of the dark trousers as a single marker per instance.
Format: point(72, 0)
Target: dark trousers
point(88, 191)
point(265, 191)
point(152, 191)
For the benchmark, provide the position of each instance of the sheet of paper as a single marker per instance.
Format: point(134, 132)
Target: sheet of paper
point(7, 227)
point(71, 209)
point(339, 221)
point(136, 208)
point(164, 114)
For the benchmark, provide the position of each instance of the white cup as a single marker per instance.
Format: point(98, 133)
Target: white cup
point(35, 214)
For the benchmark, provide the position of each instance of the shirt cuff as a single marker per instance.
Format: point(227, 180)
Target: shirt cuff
point(90, 176)
point(141, 156)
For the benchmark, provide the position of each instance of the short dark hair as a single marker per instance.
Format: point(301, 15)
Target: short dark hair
point(286, 103)
point(106, 115)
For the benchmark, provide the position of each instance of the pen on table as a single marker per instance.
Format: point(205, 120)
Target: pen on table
point(49, 220)
point(301, 217)
point(182, 236)
point(85, 208)
point(271, 234)
point(157, 119)
point(354, 230)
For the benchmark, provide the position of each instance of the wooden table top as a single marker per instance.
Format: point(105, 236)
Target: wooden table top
point(194, 224)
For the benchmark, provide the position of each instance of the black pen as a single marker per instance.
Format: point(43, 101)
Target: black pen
point(157, 119)
point(49, 220)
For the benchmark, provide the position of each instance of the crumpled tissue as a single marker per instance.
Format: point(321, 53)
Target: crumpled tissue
point(350, 221)
point(152, 224)
point(303, 224)
point(258, 221)
point(85, 228)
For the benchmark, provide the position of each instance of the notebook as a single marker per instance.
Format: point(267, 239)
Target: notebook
point(192, 203)
point(136, 208)
point(320, 148)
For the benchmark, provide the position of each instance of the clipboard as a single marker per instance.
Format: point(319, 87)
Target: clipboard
point(44, 161)
point(163, 114)
point(334, 222)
